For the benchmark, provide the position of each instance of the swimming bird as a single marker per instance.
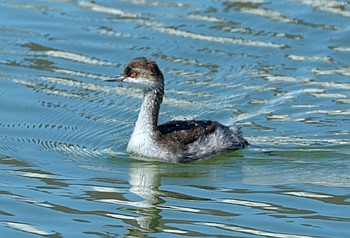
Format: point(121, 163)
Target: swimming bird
point(180, 141)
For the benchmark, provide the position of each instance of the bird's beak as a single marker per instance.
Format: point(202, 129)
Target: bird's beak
point(118, 78)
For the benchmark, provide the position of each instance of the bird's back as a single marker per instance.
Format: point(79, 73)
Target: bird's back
point(192, 140)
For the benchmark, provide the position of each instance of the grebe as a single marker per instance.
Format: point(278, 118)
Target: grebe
point(175, 141)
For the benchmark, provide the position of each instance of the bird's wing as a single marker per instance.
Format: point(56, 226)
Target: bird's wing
point(182, 133)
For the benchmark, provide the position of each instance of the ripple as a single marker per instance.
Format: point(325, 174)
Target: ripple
point(250, 231)
point(75, 57)
point(170, 30)
point(341, 71)
point(107, 10)
point(56, 53)
point(29, 228)
point(341, 49)
point(326, 59)
point(278, 16)
point(285, 140)
point(328, 6)
point(199, 17)
point(187, 34)
point(308, 195)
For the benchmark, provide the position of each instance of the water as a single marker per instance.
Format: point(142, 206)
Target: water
point(280, 69)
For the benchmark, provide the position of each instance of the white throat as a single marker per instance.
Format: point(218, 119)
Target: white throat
point(143, 140)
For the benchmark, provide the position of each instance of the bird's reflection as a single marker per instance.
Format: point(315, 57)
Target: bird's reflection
point(144, 179)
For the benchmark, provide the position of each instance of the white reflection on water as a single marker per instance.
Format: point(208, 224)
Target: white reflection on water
point(255, 232)
point(76, 57)
point(172, 31)
point(108, 10)
point(145, 182)
point(28, 228)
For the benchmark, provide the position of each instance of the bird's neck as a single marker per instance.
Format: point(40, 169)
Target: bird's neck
point(143, 138)
point(148, 116)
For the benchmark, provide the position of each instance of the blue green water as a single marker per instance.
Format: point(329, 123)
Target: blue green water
point(279, 69)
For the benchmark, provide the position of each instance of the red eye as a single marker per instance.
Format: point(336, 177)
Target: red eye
point(133, 75)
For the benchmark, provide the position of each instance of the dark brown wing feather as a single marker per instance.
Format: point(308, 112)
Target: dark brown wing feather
point(182, 133)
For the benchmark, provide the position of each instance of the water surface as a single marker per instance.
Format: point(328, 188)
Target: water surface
point(279, 69)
